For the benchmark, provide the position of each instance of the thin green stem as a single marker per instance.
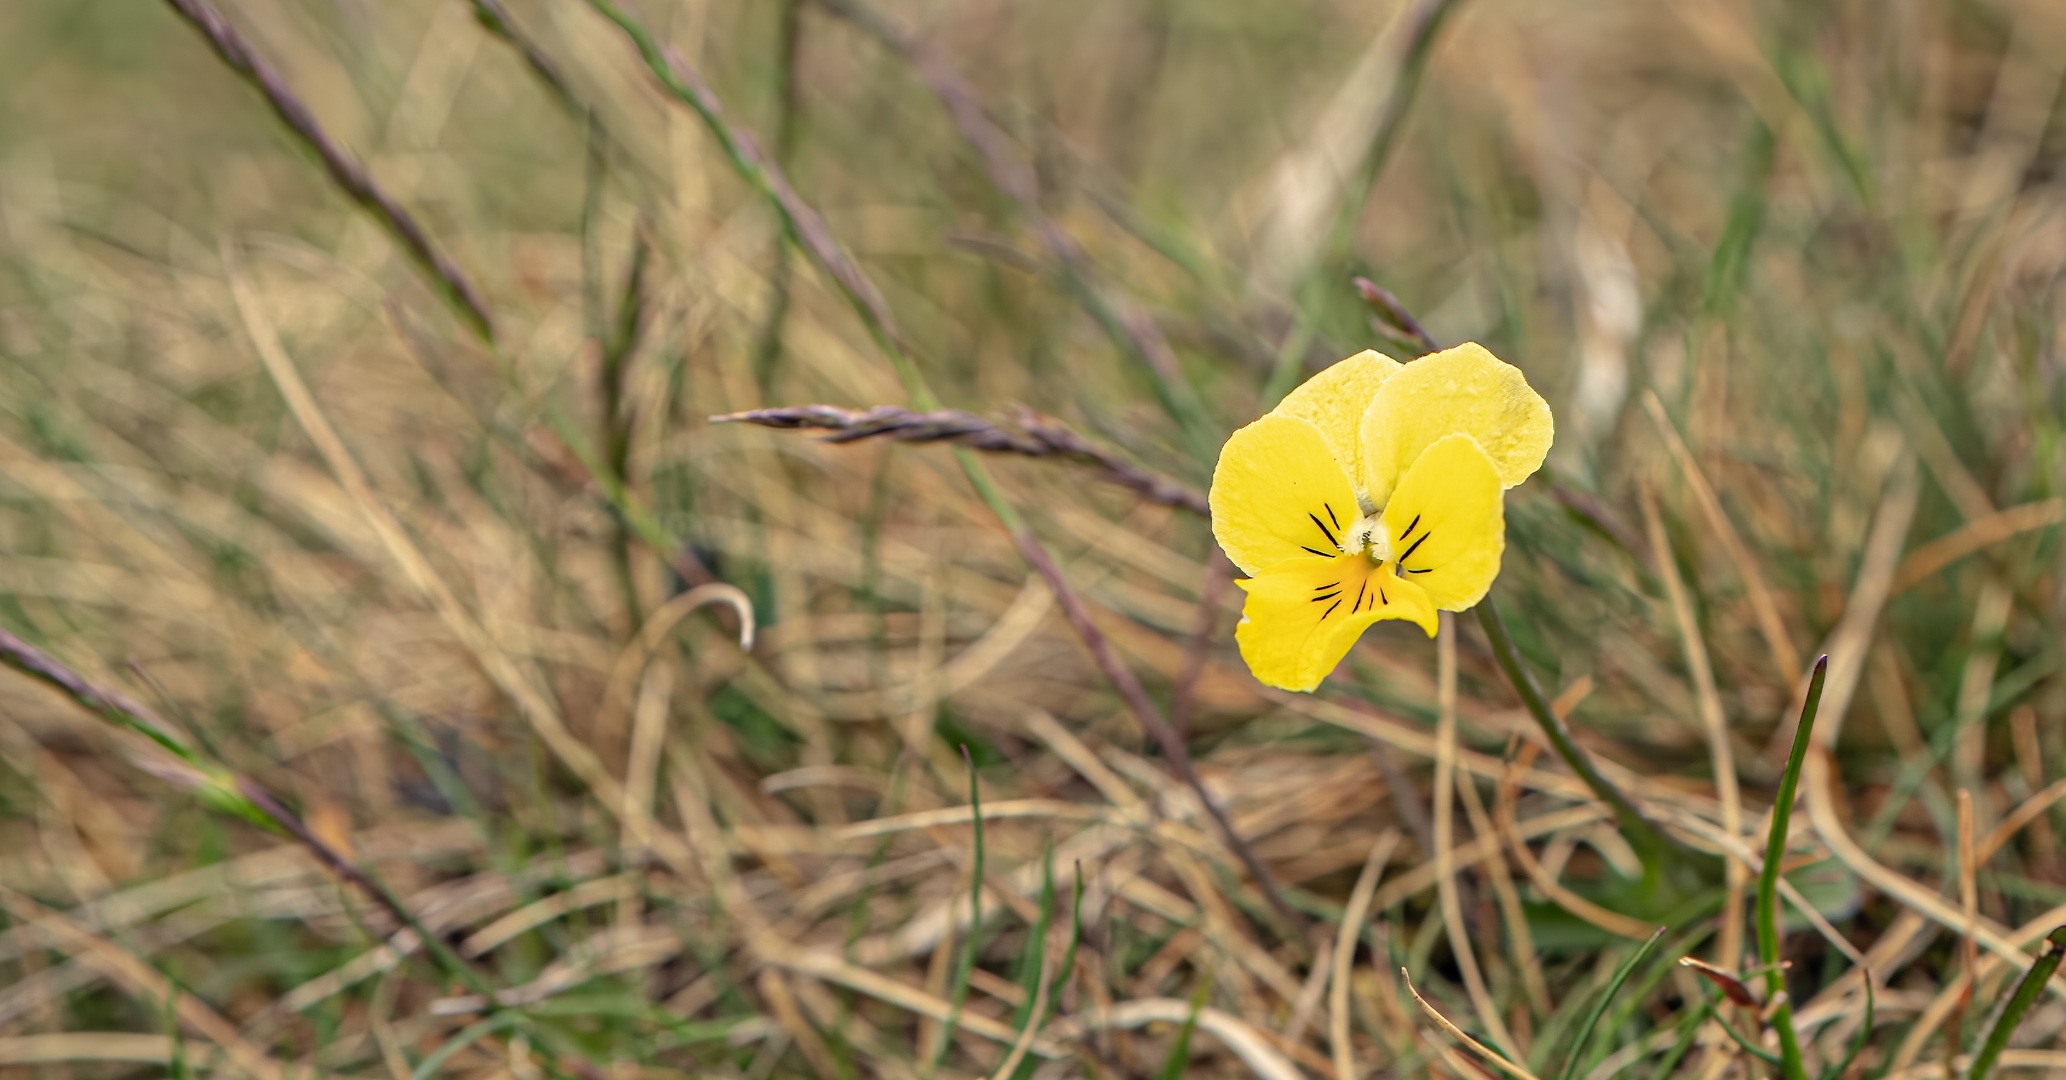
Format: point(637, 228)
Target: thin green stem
point(1640, 831)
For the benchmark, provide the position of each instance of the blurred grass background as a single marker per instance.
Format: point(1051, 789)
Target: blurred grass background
point(1793, 277)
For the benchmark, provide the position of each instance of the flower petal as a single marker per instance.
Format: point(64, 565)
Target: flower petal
point(1278, 493)
point(1447, 522)
point(1465, 389)
point(1303, 614)
point(1335, 401)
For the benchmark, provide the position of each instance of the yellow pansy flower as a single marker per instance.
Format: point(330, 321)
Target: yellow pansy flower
point(1373, 491)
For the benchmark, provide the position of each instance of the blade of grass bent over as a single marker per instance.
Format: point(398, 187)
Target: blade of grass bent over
point(2019, 1003)
point(1584, 1034)
point(1768, 880)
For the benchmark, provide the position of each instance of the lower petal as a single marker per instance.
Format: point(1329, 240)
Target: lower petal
point(1303, 615)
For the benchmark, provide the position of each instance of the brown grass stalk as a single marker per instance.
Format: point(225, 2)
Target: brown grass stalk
point(1729, 939)
point(1457, 931)
point(1346, 937)
point(1786, 659)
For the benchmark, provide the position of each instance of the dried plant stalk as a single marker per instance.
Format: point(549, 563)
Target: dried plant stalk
point(1037, 437)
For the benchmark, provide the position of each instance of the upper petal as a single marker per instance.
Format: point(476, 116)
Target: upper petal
point(1447, 522)
point(1465, 389)
point(1278, 493)
point(1335, 401)
point(1303, 615)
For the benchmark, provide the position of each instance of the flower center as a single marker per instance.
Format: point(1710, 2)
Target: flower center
point(1367, 536)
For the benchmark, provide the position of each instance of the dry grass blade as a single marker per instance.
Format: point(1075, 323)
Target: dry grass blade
point(1445, 828)
point(1240, 1037)
point(1043, 990)
point(1786, 659)
point(1817, 780)
point(688, 86)
point(1729, 940)
point(2030, 811)
point(1955, 991)
point(1151, 720)
point(1510, 831)
point(1483, 1051)
point(1520, 936)
point(1345, 939)
point(1848, 644)
point(802, 220)
point(1975, 536)
point(85, 1046)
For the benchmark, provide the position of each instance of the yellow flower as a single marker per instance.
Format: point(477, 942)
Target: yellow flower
point(1372, 492)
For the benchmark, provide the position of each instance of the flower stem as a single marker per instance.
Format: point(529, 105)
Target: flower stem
point(1646, 837)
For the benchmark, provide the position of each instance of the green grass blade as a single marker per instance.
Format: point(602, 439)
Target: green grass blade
point(1714, 1004)
point(2019, 1003)
point(1689, 1028)
point(1033, 964)
point(1857, 1041)
point(1768, 880)
point(1642, 983)
point(467, 1036)
point(965, 968)
point(176, 1064)
point(1179, 1058)
point(1584, 1035)
point(1068, 964)
point(1033, 968)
